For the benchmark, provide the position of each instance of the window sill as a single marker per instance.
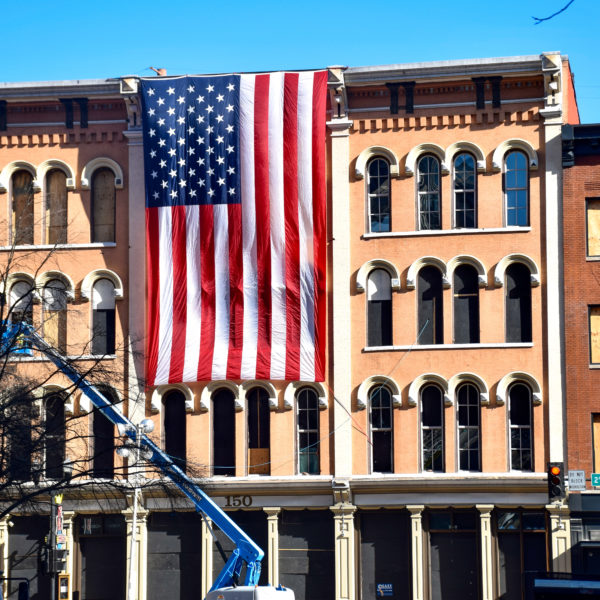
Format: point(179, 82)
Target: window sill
point(60, 246)
point(594, 366)
point(29, 359)
point(415, 347)
point(430, 232)
point(592, 258)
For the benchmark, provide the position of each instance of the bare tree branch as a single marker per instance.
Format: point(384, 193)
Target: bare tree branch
point(538, 20)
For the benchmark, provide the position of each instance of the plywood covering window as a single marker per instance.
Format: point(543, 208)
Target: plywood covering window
point(103, 206)
point(56, 207)
point(259, 432)
point(466, 305)
point(22, 208)
point(592, 216)
point(596, 441)
point(175, 427)
point(594, 320)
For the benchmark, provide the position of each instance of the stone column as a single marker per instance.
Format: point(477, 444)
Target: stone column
point(273, 543)
point(340, 254)
point(207, 557)
point(4, 552)
point(416, 537)
point(487, 563)
point(140, 551)
point(345, 571)
point(560, 541)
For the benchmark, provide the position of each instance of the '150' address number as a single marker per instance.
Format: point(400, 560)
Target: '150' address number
point(237, 501)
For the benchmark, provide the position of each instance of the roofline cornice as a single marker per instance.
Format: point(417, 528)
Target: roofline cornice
point(53, 90)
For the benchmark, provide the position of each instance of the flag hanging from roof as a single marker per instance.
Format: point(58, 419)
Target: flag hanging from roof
point(235, 226)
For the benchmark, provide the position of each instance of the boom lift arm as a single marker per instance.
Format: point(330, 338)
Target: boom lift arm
point(23, 337)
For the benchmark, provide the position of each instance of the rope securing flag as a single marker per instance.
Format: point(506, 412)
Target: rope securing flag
point(235, 226)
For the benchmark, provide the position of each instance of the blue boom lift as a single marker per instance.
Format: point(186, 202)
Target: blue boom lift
point(22, 339)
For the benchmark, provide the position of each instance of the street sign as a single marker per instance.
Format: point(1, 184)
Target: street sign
point(596, 479)
point(577, 481)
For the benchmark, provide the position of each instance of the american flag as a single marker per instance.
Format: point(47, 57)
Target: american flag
point(235, 226)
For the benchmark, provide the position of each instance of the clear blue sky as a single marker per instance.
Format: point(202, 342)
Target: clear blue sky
point(44, 41)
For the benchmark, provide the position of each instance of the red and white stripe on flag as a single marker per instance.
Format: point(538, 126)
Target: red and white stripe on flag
point(237, 291)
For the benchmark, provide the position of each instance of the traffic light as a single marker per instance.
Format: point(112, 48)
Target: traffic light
point(556, 481)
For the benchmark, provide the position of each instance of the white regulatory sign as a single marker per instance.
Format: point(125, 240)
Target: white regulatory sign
point(577, 481)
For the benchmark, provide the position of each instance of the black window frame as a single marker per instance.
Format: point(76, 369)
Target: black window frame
point(430, 321)
point(518, 303)
point(375, 181)
point(507, 190)
point(379, 314)
point(471, 406)
point(524, 432)
point(307, 434)
point(465, 305)
point(432, 435)
point(381, 424)
point(460, 215)
point(427, 219)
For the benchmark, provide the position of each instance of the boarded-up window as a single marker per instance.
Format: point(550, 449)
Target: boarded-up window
point(518, 303)
point(596, 439)
point(466, 305)
point(103, 317)
point(223, 404)
point(259, 432)
point(103, 464)
point(594, 312)
point(103, 206)
point(55, 314)
point(56, 207)
point(431, 312)
point(379, 308)
point(22, 208)
point(592, 210)
point(175, 426)
point(55, 436)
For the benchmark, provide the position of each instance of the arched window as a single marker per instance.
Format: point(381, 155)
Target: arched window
point(56, 207)
point(103, 206)
point(378, 186)
point(466, 305)
point(103, 317)
point(174, 427)
point(518, 303)
point(468, 421)
point(429, 196)
point(22, 207)
point(520, 425)
point(379, 308)
point(21, 303)
point(54, 436)
point(259, 432)
point(307, 403)
point(516, 189)
point(55, 314)
point(431, 308)
point(103, 462)
point(18, 442)
point(382, 429)
point(223, 429)
point(432, 428)
point(465, 191)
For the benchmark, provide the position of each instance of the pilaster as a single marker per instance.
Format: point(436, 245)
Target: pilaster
point(560, 541)
point(273, 543)
point(207, 557)
point(140, 552)
point(4, 525)
point(137, 273)
point(339, 131)
point(416, 537)
point(68, 524)
point(487, 564)
point(345, 566)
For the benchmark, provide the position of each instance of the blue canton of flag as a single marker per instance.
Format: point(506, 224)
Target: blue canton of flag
point(191, 140)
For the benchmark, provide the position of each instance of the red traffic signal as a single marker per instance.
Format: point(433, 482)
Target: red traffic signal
point(556, 481)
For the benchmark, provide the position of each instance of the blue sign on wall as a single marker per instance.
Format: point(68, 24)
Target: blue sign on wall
point(385, 589)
